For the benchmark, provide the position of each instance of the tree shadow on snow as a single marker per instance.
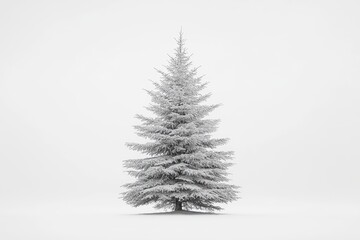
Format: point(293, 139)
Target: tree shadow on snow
point(183, 212)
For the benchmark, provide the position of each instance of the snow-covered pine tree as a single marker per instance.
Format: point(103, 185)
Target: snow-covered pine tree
point(183, 170)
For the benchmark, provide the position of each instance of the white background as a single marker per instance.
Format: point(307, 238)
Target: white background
point(72, 75)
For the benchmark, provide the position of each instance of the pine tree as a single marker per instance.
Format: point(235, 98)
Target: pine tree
point(183, 170)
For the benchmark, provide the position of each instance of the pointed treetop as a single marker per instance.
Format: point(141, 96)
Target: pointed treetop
point(180, 41)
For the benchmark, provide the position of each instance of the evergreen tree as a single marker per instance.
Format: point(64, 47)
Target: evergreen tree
point(183, 170)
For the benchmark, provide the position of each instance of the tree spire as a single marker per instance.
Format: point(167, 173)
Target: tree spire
point(180, 42)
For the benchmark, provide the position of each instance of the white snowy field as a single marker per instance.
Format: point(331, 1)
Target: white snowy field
point(52, 222)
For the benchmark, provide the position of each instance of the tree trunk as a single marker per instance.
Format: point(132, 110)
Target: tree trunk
point(178, 205)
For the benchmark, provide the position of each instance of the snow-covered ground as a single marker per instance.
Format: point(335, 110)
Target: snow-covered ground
point(50, 222)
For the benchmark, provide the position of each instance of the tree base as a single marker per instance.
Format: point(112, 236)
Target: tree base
point(181, 212)
point(178, 205)
point(185, 212)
